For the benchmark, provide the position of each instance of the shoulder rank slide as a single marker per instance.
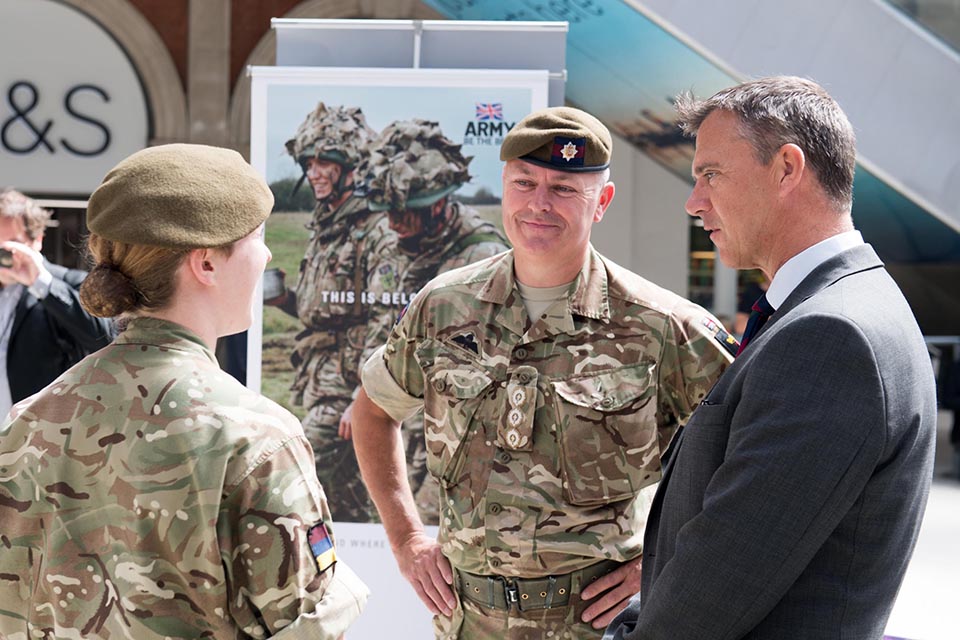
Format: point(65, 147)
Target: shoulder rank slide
point(726, 340)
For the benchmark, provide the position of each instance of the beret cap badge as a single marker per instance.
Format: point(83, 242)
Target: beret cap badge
point(560, 138)
point(568, 151)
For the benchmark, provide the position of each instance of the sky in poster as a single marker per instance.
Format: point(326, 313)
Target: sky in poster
point(453, 107)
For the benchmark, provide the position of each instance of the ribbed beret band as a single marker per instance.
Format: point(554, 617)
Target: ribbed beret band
point(180, 196)
point(561, 138)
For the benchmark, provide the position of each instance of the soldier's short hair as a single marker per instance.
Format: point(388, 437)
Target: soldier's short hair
point(15, 205)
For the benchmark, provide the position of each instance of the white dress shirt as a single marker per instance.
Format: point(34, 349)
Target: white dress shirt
point(9, 297)
point(794, 270)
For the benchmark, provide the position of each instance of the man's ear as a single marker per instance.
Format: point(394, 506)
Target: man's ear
point(606, 197)
point(202, 265)
point(791, 164)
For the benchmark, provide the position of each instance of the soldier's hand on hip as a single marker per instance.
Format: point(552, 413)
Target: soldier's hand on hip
point(429, 571)
point(613, 592)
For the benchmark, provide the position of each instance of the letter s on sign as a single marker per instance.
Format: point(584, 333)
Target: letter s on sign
point(68, 105)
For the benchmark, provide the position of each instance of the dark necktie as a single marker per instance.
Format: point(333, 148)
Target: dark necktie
point(760, 311)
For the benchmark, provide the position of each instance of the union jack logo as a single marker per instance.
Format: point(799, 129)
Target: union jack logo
point(489, 111)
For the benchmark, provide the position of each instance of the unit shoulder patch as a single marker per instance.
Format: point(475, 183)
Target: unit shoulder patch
point(321, 546)
point(720, 334)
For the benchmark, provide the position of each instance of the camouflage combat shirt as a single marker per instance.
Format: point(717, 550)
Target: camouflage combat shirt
point(543, 433)
point(466, 238)
point(345, 245)
point(350, 261)
point(147, 494)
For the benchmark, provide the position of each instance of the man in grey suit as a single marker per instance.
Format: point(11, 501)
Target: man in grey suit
point(791, 502)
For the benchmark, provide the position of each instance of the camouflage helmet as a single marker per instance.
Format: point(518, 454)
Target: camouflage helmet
point(338, 134)
point(411, 165)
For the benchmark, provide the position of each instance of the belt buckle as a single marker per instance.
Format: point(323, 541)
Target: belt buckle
point(511, 594)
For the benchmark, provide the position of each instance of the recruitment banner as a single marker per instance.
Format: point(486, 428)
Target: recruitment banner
point(383, 178)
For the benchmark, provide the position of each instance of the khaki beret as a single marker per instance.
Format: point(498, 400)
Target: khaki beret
point(180, 196)
point(561, 138)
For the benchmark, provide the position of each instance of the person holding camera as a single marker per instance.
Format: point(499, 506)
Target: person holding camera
point(43, 328)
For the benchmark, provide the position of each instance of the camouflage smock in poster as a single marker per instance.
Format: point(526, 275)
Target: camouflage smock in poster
point(383, 179)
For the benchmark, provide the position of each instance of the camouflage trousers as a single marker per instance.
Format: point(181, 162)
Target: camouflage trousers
point(336, 461)
point(326, 378)
point(472, 621)
point(339, 472)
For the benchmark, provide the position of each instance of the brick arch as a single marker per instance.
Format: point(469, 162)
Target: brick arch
point(264, 53)
point(150, 59)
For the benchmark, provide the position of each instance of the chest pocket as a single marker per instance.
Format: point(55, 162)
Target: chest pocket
point(607, 428)
point(454, 386)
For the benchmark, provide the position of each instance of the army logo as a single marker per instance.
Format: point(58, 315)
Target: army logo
point(488, 126)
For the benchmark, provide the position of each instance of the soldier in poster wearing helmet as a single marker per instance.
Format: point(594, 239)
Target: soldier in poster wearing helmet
point(347, 243)
point(411, 172)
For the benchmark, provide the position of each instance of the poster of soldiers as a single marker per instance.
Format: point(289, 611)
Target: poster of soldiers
point(383, 179)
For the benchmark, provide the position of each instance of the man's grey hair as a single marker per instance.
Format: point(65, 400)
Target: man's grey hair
point(783, 110)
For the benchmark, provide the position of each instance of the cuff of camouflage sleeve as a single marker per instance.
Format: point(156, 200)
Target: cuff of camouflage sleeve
point(342, 602)
point(384, 391)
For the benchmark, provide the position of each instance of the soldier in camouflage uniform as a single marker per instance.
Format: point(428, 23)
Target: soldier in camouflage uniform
point(411, 172)
point(351, 252)
point(552, 381)
point(146, 493)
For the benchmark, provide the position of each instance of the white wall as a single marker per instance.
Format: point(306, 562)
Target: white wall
point(646, 229)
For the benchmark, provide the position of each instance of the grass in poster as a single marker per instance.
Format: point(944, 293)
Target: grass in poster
point(287, 239)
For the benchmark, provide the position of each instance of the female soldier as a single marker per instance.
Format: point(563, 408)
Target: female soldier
point(145, 493)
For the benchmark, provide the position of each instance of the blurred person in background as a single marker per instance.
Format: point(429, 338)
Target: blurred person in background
point(43, 328)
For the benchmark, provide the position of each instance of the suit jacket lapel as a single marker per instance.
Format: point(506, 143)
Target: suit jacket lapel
point(28, 301)
point(24, 305)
